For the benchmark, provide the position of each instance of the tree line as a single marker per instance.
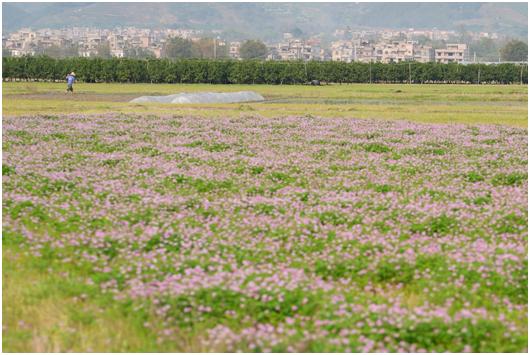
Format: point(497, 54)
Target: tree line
point(126, 70)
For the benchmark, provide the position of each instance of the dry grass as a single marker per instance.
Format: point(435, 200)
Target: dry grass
point(421, 103)
point(47, 312)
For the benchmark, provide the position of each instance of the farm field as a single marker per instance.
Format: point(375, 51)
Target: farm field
point(338, 218)
point(488, 104)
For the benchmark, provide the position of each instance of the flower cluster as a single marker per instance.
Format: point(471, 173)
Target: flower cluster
point(284, 234)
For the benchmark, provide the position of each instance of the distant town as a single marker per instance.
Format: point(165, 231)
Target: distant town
point(385, 46)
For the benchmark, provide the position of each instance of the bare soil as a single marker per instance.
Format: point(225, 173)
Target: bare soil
point(75, 97)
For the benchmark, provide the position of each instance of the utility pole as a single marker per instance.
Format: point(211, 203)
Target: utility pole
point(478, 81)
point(474, 57)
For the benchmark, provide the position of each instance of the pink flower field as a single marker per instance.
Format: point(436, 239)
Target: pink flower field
point(285, 235)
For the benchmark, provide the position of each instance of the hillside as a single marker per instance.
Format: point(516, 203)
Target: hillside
point(269, 20)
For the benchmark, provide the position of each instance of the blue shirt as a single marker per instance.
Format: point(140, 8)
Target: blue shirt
point(70, 79)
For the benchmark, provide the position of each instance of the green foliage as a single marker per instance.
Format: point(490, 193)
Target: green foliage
point(11, 238)
point(177, 181)
point(256, 170)
point(511, 223)
point(265, 209)
point(336, 218)
point(474, 177)
point(180, 68)
point(280, 177)
point(7, 170)
point(253, 49)
point(509, 179)
point(515, 51)
point(384, 188)
point(440, 225)
point(482, 200)
point(376, 148)
point(179, 48)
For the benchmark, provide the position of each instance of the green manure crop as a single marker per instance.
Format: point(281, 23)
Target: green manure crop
point(292, 233)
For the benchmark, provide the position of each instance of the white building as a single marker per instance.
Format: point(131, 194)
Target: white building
point(118, 53)
point(294, 50)
point(453, 53)
point(233, 50)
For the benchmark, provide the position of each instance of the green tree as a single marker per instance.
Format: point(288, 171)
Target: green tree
point(138, 53)
point(104, 51)
point(485, 49)
point(422, 39)
point(463, 35)
point(297, 32)
point(205, 48)
point(252, 71)
point(515, 51)
point(253, 49)
point(62, 51)
point(179, 48)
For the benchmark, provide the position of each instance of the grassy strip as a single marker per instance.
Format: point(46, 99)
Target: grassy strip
point(48, 307)
point(505, 105)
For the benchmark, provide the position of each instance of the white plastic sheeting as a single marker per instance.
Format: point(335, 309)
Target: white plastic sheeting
point(202, 97)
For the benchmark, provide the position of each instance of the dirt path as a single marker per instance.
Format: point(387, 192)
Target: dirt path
point(74, 97)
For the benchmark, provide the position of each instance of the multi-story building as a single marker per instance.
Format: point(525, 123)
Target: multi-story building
point(294, 50)
point(342, 51)
point(87, 53)
point(355, 51)
point(118, 53)
point(453, 53)
point(116, 41)
point(21, 52)
point(157, 51)
point(386, 52)
point(351, 45)
point(233, 50)
point(424, 54)
point(145, 41)
point(396, 52)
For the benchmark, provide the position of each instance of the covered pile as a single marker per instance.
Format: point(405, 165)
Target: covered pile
point(202, 97)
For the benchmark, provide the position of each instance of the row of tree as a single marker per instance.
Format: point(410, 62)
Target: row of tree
point(208, 48)
point(125, 70)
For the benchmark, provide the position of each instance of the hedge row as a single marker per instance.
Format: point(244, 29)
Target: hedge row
point(126, 70)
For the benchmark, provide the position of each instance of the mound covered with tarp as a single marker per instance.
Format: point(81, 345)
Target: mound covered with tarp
point(202, 98)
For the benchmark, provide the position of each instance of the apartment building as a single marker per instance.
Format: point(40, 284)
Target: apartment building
point(385, 52)
point(389, 35)
point(157, 51)
point(21, 52)
point(233, 50)
point(356, 51)
point(453, 53)
point(342, 51)
point(362, 45)
point(118, 53)
point(396, 52)
point(116, 41)
point(424, 54)
point(295, 49)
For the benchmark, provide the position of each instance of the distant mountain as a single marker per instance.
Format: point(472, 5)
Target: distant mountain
point(269, 20)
